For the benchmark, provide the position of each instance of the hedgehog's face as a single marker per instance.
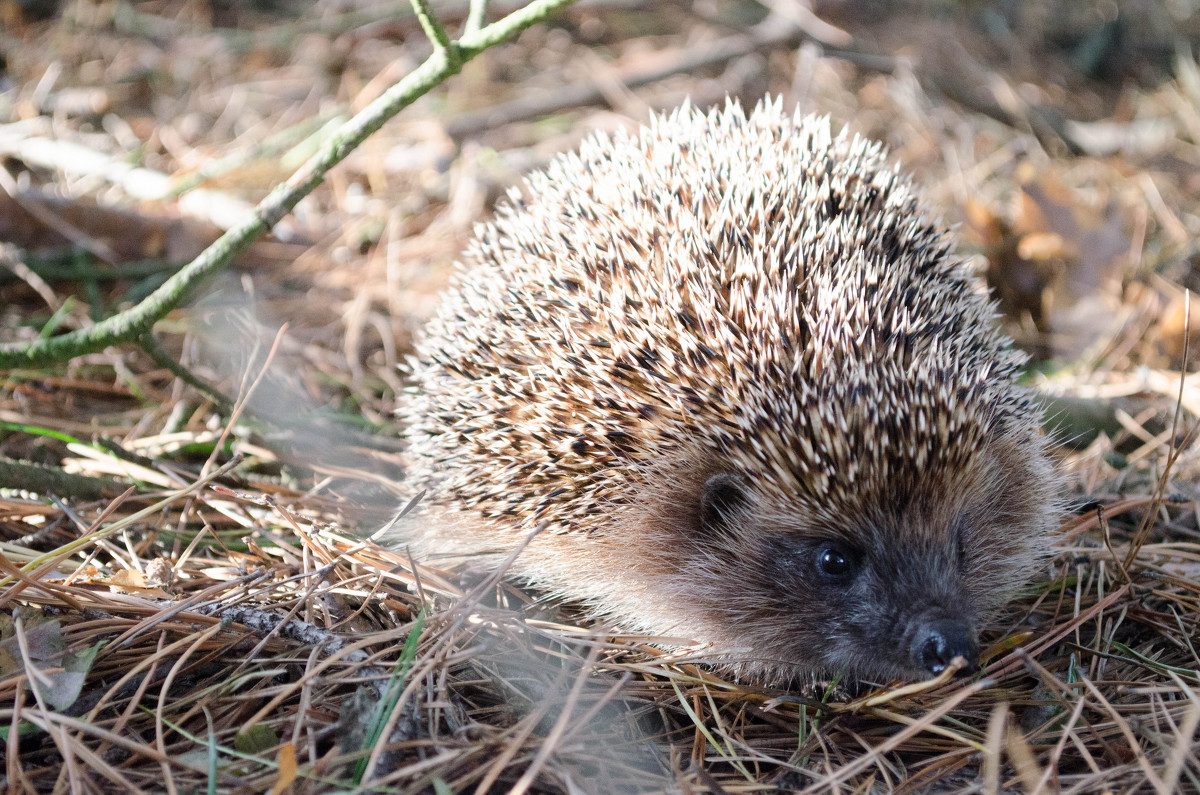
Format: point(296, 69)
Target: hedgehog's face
point(887, 591)
point(876, 610)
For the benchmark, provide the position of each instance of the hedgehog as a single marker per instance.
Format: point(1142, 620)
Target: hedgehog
point(726, 383)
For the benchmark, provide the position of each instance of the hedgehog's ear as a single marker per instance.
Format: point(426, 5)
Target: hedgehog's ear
point(724, 494)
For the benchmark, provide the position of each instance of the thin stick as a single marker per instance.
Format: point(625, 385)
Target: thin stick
point(431, 25)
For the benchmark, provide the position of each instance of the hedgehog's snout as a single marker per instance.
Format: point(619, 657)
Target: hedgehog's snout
point(938, 642)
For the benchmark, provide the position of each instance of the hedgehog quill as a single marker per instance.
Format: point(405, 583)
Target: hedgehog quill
point(735, 370)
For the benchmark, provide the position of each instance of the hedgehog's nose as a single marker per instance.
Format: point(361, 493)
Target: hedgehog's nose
point(941, 641)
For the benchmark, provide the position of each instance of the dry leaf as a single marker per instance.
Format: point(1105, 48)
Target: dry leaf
point(60, 673)
point(286, 759)
point(1176, 329)
point(1050, 259)
point(132, 581)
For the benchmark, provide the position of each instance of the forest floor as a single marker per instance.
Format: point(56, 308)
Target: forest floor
point(190, 598)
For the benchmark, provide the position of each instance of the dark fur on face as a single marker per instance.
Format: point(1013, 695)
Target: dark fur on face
point(785, 589)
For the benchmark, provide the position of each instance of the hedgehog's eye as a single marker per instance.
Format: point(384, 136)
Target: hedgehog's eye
point(835, 563)
point(723, 494)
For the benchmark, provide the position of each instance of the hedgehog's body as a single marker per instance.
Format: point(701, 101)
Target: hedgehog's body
point(734, 372)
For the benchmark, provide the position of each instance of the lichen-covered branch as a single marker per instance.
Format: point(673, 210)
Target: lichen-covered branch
point(21, 476)
point(138, 320)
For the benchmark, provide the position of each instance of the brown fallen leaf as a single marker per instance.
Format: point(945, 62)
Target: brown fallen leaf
point(132, 581)
point(1176, 327)
point(1053, 260)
